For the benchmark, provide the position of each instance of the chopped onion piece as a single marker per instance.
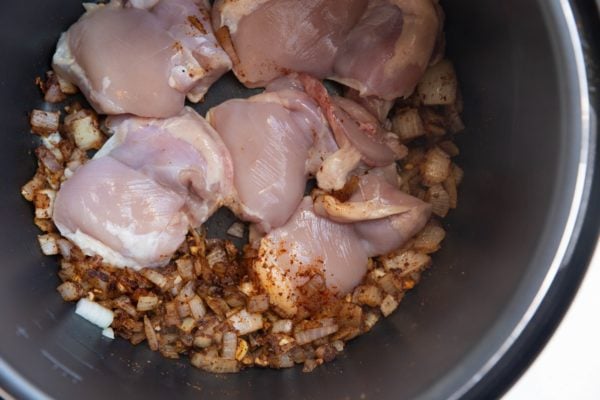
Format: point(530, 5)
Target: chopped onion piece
point(44, 203)
point(214, 364)
point(310, 335)
point(109, 333)
point(29, 190)
point(147, 303)
point(155, 277)
point(83, 127)
point(439, 85)
point(197, 308)
point(229, 346)
point(282, 326)
point(245, 322)
point(94, 312)
point(408, 124)
point(439, 200)
point(258, 303)
point(236, 230)
point(407, 261)
point(65, 248)
point(388, 305)
point(49, 244)
point(69, 291)
point(436, 167)
point(44, 122)
point(150, 334)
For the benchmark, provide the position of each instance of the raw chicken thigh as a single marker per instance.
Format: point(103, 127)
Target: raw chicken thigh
point(183, 153)
point(270, 38)
point(308, 258)
point(323, 249)
point(275, 140)
point(378, 47)
point(135, 201)
point(142, 62)
point(387, 52)
point(120, 214)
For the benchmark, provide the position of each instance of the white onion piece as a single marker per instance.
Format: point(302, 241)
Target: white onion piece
point(282, 326)
point(229, 345)
point(197, 307)
point(245, 322)
point(48, 244)
point(236, 230)
point(109, 333)
point(94, 313)
point(309, 335)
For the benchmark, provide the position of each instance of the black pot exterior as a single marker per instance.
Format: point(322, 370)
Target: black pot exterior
point(515, 251)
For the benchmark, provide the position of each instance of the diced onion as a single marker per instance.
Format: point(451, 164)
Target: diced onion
point(69, 291)
point(214, 364)
point(229, 345)
point(155, 277)
point(44, 203)
point(309, 335)
point(236, 230)
point(44, 122)
point(244, 322)
point(282, 326)
point(109, 333)
point(83, 127)
point(150, 334)
point(438, 85)
point(147, 303)
point(439, 200)
point(408, 124)
point(49, 244)
point(436, 167)
point(258, 303)
point(388, 305)
point(197, 308)
point(407, 261)
point(429, 239)
point(94, 312)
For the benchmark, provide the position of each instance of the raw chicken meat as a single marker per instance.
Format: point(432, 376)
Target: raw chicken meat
point(383, 216)
point(120, 214)
point(141, 62)
point(387, 52)
point(307, 259)
point(134, 202)
point(378, 47)
point(359, 135)
point(270, 38)
point(275, 140)
point(183, 153)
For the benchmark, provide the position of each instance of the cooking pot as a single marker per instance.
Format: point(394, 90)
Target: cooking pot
point(516, 249)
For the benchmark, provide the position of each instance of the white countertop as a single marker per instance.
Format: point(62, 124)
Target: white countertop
point(569, 366)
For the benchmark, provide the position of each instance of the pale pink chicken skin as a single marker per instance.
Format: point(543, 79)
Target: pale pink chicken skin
point(118, 213)
point(195, 163)
point(387, 52)
point(275, 139)
point(141, 62)
point(335, 242)
point(154, 179)
point(379, 47)
point(275, 37)
point(308, 246)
